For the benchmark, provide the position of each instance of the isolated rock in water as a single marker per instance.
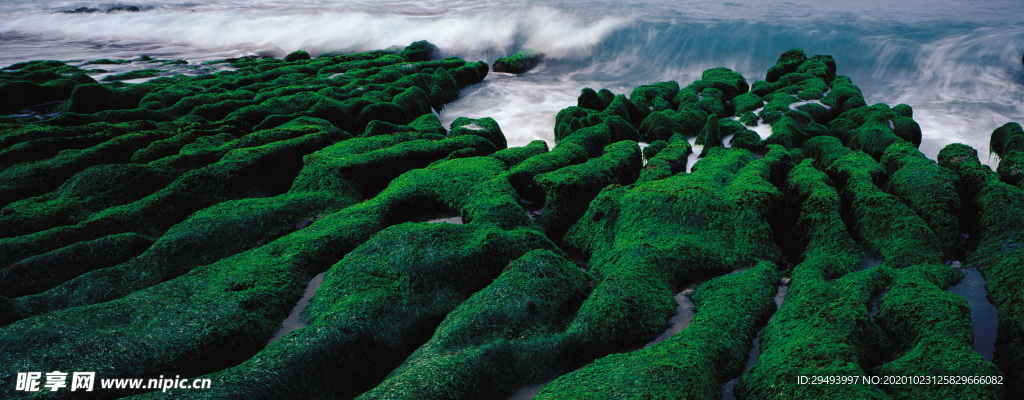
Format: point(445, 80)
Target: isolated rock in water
point(81, 10)
point(518, 63)
point(123, 8)
point(107, 61)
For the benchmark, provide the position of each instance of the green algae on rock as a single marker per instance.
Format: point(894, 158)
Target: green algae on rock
point(34, 82)
point(168, 227)
point(692, 364)
point(996, 220)
point(518, 63)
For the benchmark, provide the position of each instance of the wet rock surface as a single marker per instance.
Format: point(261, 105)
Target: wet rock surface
point(171, 227)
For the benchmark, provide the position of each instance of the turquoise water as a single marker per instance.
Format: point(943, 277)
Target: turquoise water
point(957, 63)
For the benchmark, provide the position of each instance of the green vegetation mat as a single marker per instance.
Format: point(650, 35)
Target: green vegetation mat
point(169, 227)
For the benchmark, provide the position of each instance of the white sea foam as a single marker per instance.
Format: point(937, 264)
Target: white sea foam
point(260, 26)
point(523, 105)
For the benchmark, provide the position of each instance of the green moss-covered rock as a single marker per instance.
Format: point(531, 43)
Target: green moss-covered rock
point(668, 161)
point(747, 102)
point(788, 62)
point(653, 149)
point(655, 97)
point(419, 51)
point(823, 326)
point(933, 346)
point(518, 63)
point(730, 82)
point(595, 100)
point(504, 335)
point(1011, 168)
point(793, 129)
point(1007, 138)
point(169, 227)
point(39, 273)
point(929, 190)
point(996, 223)
point(693, 363)
point(32, 83)
point(297, 55)
point(646, 240)
point(688, 121)
point(514, 155)
point(485, 127)
point(566, 192)
point(879, 219)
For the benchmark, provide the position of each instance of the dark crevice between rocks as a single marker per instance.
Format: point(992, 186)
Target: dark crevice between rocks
point(872, 259)
point(970, 243)
point(783, 220)
point(896, 346)
point(580, 257)
point(983, 313)
point(534, 208)
point(294, 320)
point(679, 322)
point(40, 273)
point(374, 375)
point(529, 392)
point(684, 310)
point(421, 209)
point(457, 220)
point(785, 238)
point(968, 219)
point(567, 312)
point(875, 302)
point(729, 387)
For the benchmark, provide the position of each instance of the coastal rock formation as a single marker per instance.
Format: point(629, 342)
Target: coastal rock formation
point(518, 63)
point(169, 227)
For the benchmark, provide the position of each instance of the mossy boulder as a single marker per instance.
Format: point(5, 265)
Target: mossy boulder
point(518, 63)
point(420, 51)
point(297, 55)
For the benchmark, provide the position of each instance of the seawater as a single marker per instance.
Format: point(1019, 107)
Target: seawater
point(957, 63)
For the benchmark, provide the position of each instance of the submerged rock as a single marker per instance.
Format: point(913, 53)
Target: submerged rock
point(123, 8)
point(81, 10)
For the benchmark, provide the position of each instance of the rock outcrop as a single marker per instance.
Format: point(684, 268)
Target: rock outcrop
point(169, 227)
